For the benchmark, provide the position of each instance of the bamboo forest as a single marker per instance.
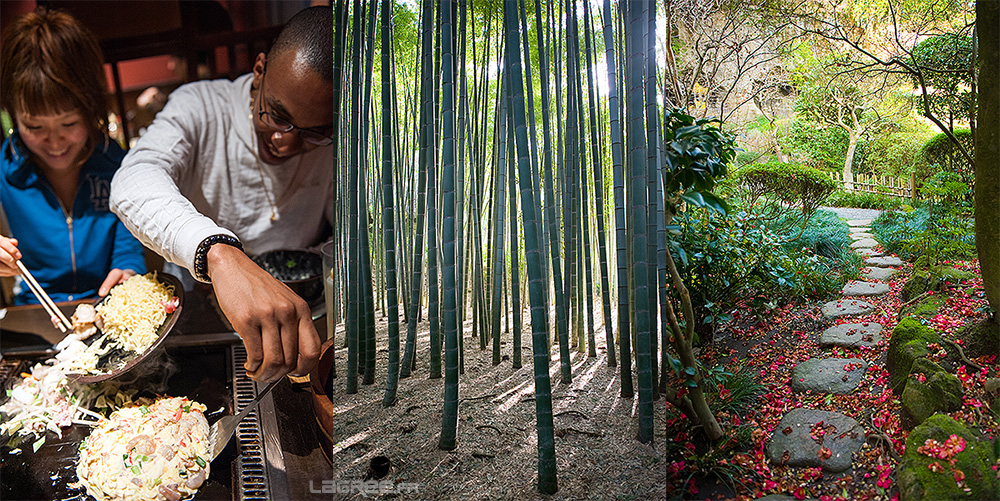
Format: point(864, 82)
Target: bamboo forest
point(666, 249)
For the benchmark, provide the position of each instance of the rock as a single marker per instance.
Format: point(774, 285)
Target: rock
point(907, 343)
point(981, 338)
point(927, 307)
point(934, 278)
point(827, 375)
point(859, 222)
point(876, 273)
point(864, 242)
point(840, 434)
point(884, 262)
point(859, 288)
point(860, 229)
point(939, 391)
point(861, 234)
point(918, 483)
point(845, 307)
point(852, 335)
point(867, 252)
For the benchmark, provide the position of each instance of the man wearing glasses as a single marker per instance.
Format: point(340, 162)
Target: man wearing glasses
point(231, 169)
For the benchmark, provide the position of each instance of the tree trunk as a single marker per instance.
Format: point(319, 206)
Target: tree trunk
point(852, 145)
point(547, 482)
point(987, 187)
point(388, 209)
point(449, 415)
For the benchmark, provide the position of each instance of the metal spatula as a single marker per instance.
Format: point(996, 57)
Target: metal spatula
point(224, 428)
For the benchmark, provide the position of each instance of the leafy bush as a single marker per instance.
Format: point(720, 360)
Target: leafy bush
point(818, 145)
point(864, 200)
point(896, 149)
point(942, 230)
point(939, 153)
point(727, 259)
point(776, 191)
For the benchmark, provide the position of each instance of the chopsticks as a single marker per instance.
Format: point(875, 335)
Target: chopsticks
point(50, 306)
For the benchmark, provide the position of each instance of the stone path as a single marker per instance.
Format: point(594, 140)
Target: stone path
point(810, 437)
point(828, 375)
point(852, 335)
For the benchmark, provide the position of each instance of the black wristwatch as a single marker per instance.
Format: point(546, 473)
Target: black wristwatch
point(201, 255)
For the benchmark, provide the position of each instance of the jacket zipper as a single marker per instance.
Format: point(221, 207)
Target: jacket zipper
point(72, 247)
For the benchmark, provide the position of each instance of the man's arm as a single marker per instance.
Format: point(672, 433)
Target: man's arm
point(274, 322)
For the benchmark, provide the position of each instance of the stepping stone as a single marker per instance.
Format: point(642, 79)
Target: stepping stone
point(876, 273)
point(860, 229)
point(835, 432)
point(828, 375)
point(864, 242)
point(845, 307)
point(884, 262)
point(866, 252)
point(859, 222)
point(859, 288)
point(852, 335)
point(860, 235)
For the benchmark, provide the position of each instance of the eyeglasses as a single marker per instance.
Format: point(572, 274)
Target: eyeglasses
point(280, 124)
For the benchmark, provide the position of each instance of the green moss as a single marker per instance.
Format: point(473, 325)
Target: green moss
point(926, 277)
point(939, 392)
point(908, 342)
point(926, 308)
point(917, 482)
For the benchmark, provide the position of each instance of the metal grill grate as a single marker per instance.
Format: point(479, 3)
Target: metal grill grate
point(8, 368)
point(251, 470)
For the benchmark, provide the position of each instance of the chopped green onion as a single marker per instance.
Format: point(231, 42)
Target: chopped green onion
point(125, 458)
point(158, 481)
point(187, 408)
point(182, 473)
point(144, 410)
point(38, 444)
point(200, 461)
point(10, 393)
point(135, 469)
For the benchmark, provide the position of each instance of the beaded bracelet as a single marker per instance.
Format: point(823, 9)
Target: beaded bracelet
point(201, 255)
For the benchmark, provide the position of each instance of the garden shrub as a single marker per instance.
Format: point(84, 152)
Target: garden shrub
point(940, 154)
point(790, 193)
point(863, 200)
point(820, 145)
point(943, 229)
point(727, 259)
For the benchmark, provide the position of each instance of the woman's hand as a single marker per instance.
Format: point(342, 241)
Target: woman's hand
point(8, 257)
point(114, 278)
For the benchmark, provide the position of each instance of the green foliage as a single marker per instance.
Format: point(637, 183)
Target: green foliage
point(783, 192)
point(725, 259)
point(942, 230)
point(945, 61)
point(697, 153)
point(939, 153)
point(820, 146)
point(864, 200)
point(895, 150)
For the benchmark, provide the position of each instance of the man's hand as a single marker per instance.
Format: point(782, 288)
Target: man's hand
point(114, 278)
point(8, 257)
point(275, 323)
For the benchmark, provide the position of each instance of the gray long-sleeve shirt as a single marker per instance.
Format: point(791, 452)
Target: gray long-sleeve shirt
point(195, 173)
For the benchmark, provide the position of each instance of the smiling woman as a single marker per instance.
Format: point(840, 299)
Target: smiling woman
point(56, 167)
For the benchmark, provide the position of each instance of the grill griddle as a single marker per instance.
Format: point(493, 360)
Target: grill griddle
point(205, 374)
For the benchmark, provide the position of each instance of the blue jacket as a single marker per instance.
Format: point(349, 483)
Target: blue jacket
point(69, 256)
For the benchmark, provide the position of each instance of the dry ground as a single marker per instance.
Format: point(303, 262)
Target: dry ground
point(597, 454)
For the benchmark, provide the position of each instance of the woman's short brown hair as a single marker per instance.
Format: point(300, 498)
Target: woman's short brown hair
point(51, 63)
